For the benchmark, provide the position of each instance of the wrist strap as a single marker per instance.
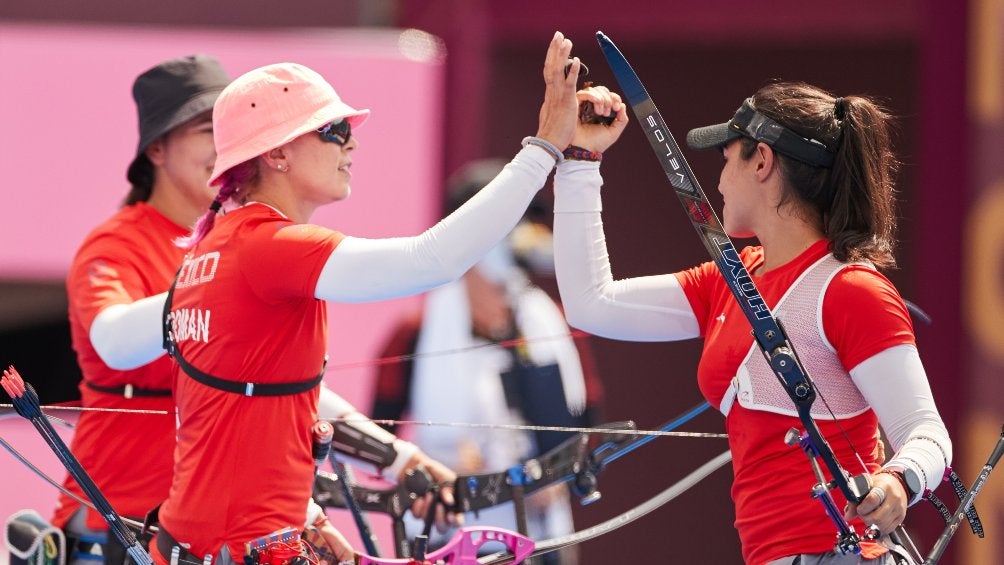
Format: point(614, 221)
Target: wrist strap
point(902, 481)
point(576, 153)
point(546, 146)
point(404, 450)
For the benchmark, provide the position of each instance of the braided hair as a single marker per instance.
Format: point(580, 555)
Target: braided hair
point(232, 182)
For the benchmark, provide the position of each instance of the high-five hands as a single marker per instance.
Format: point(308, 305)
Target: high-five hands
point(559, 112)
point(595, 135)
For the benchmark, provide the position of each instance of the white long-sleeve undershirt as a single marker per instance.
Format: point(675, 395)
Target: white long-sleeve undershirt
point(361, 270)
point(127, 336)
point(331, 406)
point(652, 308)
point(895, 384)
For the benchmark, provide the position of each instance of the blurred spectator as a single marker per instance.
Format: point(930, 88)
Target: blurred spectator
point(458, 376)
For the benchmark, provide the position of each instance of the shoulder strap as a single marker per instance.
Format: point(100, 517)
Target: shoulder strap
point(169, 344)
point(236, 387)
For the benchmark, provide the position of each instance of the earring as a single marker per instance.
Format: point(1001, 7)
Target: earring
point(282, 168)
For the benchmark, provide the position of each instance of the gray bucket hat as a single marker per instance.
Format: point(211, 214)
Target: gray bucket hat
point(170, 94)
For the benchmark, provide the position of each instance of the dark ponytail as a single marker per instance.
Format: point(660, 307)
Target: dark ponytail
point(141, 181)
point(855, 199)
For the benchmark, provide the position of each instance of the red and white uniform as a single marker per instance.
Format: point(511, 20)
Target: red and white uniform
point(848, 324)
point(772, 516)
point(129, 257)
point(247, 312)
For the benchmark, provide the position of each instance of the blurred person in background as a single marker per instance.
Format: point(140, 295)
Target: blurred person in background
point(453, 373)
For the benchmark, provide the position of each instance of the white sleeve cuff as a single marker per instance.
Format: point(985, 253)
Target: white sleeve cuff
point(331, 406)
point(653, 308)
point(895, 385)
point(405, 452)
point(127, 336)
point(314, 511)
point(577, 187)
point(362, 270)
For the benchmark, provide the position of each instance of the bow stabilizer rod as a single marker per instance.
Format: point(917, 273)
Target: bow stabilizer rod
point(961, 514)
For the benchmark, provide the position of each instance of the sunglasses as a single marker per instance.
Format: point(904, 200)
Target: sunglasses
point(339, 132)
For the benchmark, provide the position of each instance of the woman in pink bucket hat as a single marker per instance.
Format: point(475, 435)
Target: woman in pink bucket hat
point(247, 319)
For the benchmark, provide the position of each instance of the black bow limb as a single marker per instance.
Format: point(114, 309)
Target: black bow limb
point(26, 404)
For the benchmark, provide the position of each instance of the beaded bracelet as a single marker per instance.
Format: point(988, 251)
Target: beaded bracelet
point(545, 145)
point(576, 153)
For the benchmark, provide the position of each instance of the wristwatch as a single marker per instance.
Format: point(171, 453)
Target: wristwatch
point(909, 479)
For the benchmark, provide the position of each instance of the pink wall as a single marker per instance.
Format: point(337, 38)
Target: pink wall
point(69, 130)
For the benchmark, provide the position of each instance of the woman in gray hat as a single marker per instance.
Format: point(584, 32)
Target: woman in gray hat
point(810, 176)
point(123, 262)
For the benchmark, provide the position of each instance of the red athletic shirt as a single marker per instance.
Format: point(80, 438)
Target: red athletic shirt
point(863, 314)
point(245, 311)
point(128, 257)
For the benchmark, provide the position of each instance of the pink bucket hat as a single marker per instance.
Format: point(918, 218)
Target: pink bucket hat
point(271, 106)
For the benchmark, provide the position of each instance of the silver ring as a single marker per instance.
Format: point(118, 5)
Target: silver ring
point(880, 493)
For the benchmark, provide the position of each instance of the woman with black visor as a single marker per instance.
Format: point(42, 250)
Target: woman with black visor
point(810, 176)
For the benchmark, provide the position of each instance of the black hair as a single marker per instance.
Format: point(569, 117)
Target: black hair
point(141, 178)
point(855, 198)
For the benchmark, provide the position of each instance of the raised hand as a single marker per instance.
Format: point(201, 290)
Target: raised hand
point(596, 136)
point(559, 112)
